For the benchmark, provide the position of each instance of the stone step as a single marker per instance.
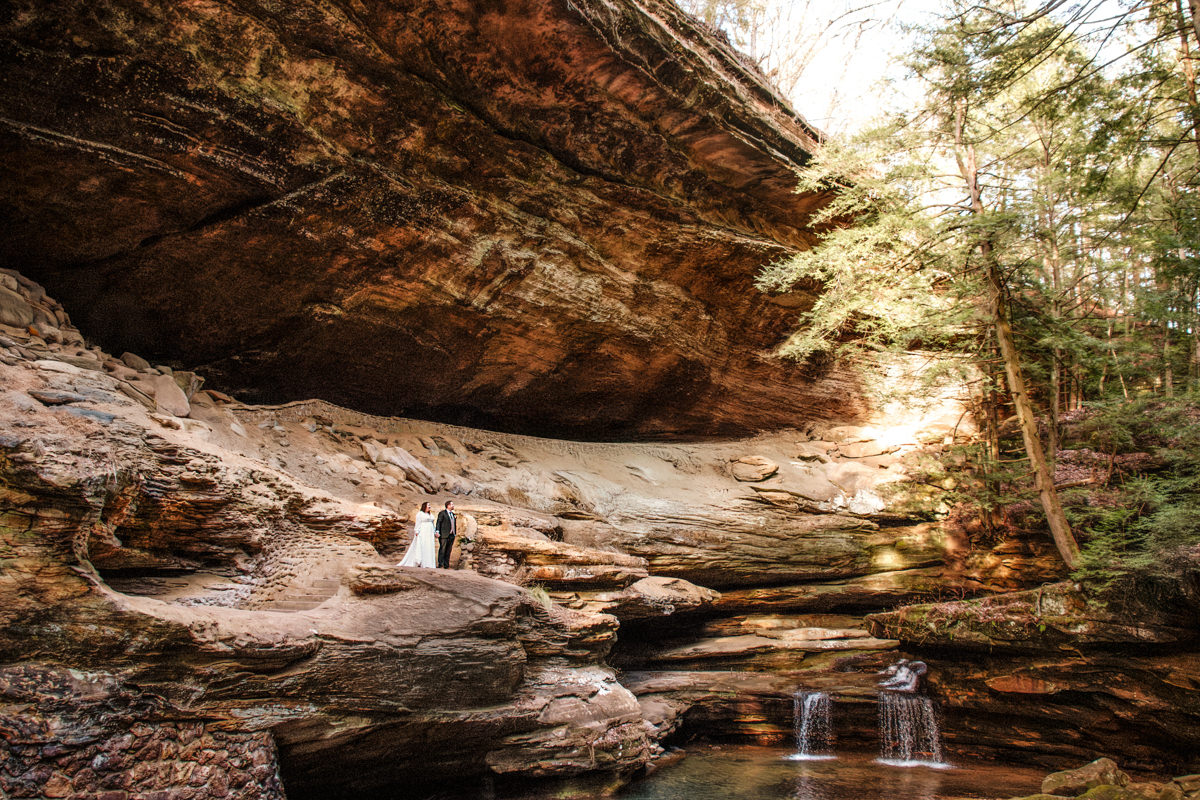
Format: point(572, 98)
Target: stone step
point(776, 624)
point(289, 605)
point(741, 645)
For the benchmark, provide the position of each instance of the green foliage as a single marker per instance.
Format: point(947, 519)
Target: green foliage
point(1154, 509)
point(880, 277)
point(540, 595)
point(1071, 182)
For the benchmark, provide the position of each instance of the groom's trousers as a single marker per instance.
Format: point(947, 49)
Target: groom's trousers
point(447, 544)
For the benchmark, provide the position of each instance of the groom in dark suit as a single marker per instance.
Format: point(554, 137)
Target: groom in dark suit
point(447, 529)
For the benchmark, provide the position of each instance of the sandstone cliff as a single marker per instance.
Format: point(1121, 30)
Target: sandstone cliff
point(200, 590)
point(541, 216)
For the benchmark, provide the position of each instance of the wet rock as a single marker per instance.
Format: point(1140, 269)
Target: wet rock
point(751, 705)
point(1102, 771)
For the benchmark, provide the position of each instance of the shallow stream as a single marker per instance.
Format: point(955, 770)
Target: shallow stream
point(766, 773)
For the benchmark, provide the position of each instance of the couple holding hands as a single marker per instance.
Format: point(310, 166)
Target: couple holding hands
point(421, 552)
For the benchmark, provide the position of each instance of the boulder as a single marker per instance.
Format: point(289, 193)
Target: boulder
point(371, 450)
point(169, 397)
point(1111, 792)
point(754, 468)
point(413, 469)
point(1072, 782)
point(134, 361)
point(189, 382)
point(1188, 784)
point(15, 311)
point(1155, 791)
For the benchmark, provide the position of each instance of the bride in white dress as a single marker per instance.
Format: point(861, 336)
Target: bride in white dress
point(423, 551)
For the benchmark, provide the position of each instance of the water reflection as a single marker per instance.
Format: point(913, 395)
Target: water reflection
point(759, 773)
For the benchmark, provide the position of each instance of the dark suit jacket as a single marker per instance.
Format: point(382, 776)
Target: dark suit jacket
point(447, 523)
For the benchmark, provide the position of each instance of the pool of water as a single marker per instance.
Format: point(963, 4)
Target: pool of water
point(764, 773)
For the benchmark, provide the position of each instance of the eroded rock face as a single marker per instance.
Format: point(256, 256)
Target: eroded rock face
point(536, 215)
point(93, 737)
point(203, 600)
point(232, 569)
point(1051, 675)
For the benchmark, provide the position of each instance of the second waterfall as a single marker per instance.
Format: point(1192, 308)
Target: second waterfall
point(908, 730)
point(813, 721)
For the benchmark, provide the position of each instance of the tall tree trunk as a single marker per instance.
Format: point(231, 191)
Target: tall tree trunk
point(1168, 373)
point(1056, 356)
point(1060, 528)
point(1189, 67)
point(1194, 356)
point(1052, 267)
point(1056, 518)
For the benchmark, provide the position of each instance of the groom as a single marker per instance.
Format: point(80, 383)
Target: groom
point(447, 529)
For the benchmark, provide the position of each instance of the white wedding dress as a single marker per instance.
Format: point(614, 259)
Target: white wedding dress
point(423, 551)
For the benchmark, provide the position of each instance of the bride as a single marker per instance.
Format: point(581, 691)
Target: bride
point(422, 552)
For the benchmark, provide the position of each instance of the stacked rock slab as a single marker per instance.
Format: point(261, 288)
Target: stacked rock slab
point(221, 573)
point(148, 640)
point(1064, 675)
point(223, 569)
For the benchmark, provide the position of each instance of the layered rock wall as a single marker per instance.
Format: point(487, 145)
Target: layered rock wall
point(1053, 675)
point(533, 215)
point(221, 574)
point(174, 610)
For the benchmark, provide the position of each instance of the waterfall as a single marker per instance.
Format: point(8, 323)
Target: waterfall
point(812, 714)
point(908, 731)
